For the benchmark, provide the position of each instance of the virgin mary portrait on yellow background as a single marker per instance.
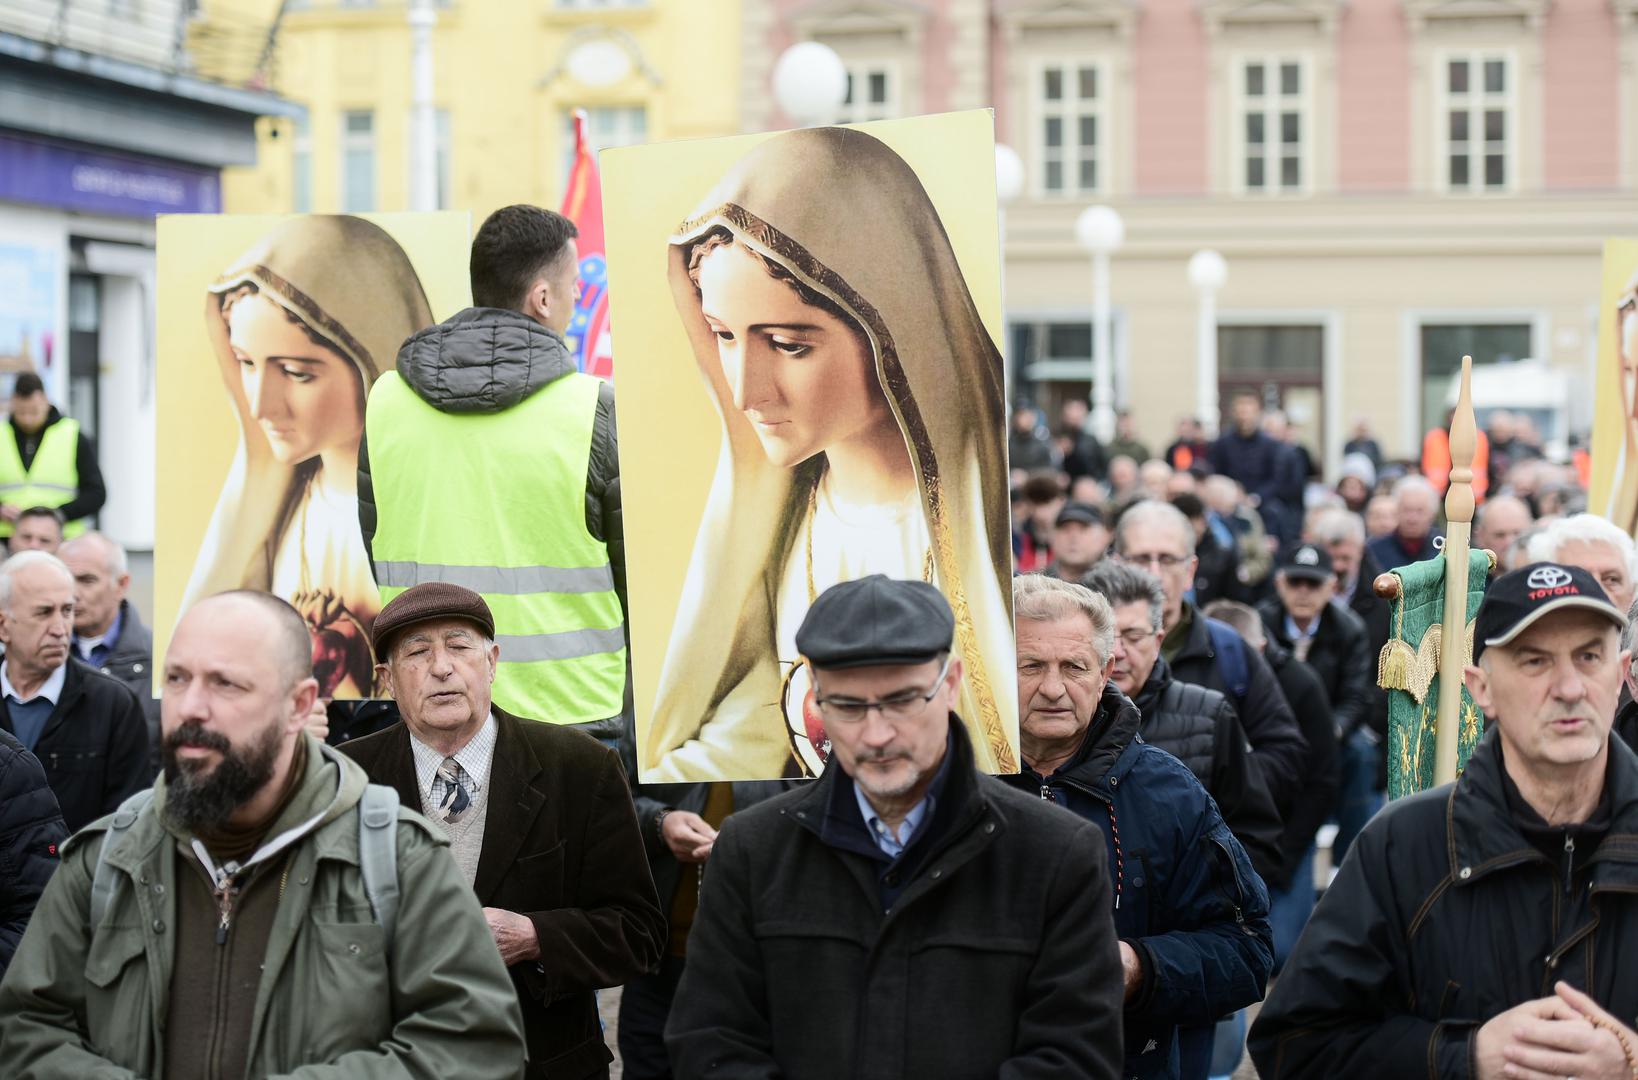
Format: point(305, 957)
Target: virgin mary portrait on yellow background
point(300, 327)
point(862, 409)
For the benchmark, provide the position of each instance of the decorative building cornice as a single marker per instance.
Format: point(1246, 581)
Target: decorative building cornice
point(1423, 13)
point(1323, 15)
point(1017, 17)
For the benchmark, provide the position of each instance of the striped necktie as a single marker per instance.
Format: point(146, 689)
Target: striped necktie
point(456, 799)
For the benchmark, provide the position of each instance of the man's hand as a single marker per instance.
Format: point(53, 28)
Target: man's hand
point(318, 721)
point(1132, 968)
point(1584, 1044)
point(10, 512)
point(1491, 1044)
point(514, 935)
point(688, 836)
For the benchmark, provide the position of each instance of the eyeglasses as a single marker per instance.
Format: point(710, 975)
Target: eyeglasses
point(894, 707)
point(1163, 561)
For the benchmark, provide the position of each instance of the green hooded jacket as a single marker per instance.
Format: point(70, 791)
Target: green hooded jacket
point(335, 999)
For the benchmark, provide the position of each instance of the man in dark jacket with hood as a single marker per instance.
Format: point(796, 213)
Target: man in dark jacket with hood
point(904, 915)
point(1193, 724)
point(31, 827)
point(1484, 928)
point(1156, 537)
point(1191, 913)
point(478, 452)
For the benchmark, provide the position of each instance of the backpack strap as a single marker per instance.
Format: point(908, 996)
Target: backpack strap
point(102, 879)
point(1232, 665)
point(378, 853)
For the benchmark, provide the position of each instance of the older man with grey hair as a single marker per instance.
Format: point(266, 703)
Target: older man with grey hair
point(86, 728)
point(108, 632)
point(1595, 545)
point(1156, 537)
point(1416, 502)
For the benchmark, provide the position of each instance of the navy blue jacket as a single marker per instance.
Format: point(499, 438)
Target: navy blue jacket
point(1269, 469)
point(31, 827)
point(1185, 896)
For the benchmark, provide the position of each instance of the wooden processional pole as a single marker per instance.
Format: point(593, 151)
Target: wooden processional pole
point(1464, 444)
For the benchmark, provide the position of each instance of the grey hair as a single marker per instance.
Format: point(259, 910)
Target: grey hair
point(1154, 510)
point(114, 558)
point(22, 561)
point(1242, 617)
point(1122, 584)
point(1587, 529)
point(1630, 633)
point(1335, 524)
point(1415, 482)
point(1039, 598)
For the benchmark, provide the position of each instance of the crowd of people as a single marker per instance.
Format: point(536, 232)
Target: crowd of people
point(239, 878)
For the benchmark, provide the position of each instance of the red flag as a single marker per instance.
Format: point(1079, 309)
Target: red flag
point(588, 333)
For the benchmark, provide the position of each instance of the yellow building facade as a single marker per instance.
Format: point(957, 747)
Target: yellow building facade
point(507, 76)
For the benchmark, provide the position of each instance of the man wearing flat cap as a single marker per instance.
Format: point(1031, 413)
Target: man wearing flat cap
point(1486, 928)
point(538, 816)
point(904, 915)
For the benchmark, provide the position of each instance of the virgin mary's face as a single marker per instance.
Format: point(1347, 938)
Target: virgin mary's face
point(803, 377)
point(304, 396)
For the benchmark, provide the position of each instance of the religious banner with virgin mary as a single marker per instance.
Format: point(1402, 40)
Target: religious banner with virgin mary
point(271, 332)
point(810, 391)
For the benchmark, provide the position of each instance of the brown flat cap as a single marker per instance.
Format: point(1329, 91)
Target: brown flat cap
point(424, 602)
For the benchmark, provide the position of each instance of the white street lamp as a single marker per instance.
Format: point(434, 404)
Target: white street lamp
point(424, 133)
point(1009, 184)
point(1101, 232)
point(810, 83)
point(1207, 273)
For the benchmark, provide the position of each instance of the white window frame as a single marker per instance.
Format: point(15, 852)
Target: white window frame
point(1274, 104)
point(1074, 369)
point(859, 71)
point(624, 132)
point(351, 141)
point(1479, 101)
point(1040, 111)
point(1411, 322)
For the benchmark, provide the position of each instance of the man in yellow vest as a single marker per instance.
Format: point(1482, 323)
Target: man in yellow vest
point(489, 462)
point(48, 461)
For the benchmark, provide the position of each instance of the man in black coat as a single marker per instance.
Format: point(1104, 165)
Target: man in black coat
point(1193, 724)
point(31, 827)
point(1332, 641)
point(1155, 536)
point(904, 915)
point(86, 728)
point(1291, 879)
point(1487, 925)
point(1342, 534)
point(108, 631)
point(539, 819)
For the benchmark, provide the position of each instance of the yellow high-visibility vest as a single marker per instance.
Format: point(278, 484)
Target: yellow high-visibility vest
point(53, 479)
point(496, 502)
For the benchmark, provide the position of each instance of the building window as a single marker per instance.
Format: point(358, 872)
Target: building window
point(1071, 132)
point(1444, 345)
point(1273, 125)
point(301, 167)
point(606, 127)
point(596, 5)
point(1476, 121)
point(357, 161)
point(872, 93)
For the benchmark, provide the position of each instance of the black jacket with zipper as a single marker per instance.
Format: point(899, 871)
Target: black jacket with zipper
point(1444, 915)
point(998, 957)
point(31, 828)
point(1199, 727)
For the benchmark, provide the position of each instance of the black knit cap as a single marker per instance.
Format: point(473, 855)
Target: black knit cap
point(876, 620)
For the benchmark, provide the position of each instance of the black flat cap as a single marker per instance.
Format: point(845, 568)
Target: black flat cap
point(876, 620)
point(423, 603)
point(1084, 513)
point(1306, 561)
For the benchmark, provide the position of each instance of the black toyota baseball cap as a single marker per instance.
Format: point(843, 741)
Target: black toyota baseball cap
point(1517, 600)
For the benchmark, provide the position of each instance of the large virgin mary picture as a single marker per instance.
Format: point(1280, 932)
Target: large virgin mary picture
point(857, 399)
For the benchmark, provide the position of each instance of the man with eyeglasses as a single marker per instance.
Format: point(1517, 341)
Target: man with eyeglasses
point(1335, 645)
point(904, 915)
point(1157, 537)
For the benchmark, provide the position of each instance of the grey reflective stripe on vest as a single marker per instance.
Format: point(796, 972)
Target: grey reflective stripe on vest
point(567, 645)
point(497, 580)
point(377, 854)
point(38, 484)
point(102, 879)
